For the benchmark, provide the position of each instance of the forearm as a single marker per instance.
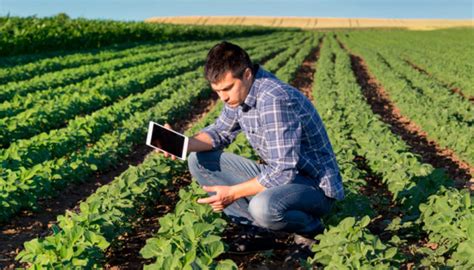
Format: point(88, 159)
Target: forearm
point(247, 188)
point(200, 142)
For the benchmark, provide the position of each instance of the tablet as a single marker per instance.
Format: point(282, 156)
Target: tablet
point(167, 140)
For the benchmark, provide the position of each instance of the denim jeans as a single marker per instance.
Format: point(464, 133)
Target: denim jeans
point(294, 207)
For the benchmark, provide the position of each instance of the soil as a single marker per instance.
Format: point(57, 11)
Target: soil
point(125, 252)
point(305, 74)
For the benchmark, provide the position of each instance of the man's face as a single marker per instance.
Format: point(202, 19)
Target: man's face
point(233, 91)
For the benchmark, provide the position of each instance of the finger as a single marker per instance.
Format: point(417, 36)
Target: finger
point(173, 157)
point(167, 126)
point(217, 209)
point(210, 188)
point(208, 199)
point(217, 204)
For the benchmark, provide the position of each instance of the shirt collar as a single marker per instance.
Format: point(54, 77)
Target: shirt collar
point(251, 99)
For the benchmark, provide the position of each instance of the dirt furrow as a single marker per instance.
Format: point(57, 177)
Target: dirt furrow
point(304, 76)
point(417, 140)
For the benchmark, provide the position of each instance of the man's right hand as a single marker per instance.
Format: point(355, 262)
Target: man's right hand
point(165, 154)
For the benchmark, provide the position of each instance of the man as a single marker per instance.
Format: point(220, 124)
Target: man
point(300, 179)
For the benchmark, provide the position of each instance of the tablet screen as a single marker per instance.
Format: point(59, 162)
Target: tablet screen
point(167, 140)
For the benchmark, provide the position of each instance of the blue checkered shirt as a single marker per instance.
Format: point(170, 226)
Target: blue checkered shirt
point(285, 129)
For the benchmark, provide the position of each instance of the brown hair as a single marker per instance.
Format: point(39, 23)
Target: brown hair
point(224, 57)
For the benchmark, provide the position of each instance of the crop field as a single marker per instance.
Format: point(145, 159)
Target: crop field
point(80, 190)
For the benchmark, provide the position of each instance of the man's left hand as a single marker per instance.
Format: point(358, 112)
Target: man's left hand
point(223, 197)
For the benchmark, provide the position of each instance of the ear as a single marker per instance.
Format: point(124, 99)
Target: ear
point(247, 73)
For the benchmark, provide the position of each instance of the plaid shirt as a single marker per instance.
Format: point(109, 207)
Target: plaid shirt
point(285, 129)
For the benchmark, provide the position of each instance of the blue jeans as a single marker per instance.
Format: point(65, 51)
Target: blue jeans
point(294, 207)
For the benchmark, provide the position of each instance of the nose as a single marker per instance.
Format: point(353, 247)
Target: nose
point(224, 97)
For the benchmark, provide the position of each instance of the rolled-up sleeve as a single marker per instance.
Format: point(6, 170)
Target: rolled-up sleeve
point(224, 130)
point(282, 134)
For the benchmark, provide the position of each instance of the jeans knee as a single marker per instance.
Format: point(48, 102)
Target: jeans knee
point(193, 161)
point(201, 166)
point(262, 210)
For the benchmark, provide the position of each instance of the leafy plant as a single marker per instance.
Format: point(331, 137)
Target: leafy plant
point(349, 245)
point(189, 237)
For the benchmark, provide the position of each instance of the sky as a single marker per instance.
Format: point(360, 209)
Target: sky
point(137, 10)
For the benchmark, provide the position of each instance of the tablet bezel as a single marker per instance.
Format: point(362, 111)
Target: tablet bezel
point(151, 125)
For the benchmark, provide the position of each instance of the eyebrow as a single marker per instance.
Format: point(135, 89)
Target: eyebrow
point(226, 87)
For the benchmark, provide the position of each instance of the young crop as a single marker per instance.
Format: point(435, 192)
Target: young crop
point(350, 245)
point(189, 237)
point(448, 218)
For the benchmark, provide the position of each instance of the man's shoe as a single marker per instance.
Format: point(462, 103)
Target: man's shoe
point(302, 245)
point(252, 239)
point(303, 242)
point(306, 240)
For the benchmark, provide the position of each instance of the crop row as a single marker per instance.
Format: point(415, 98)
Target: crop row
point(49, 81)
point(32, 69)
point(61, 239)
point(291, 67)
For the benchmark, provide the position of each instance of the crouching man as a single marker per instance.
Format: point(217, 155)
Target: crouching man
point(299, 178)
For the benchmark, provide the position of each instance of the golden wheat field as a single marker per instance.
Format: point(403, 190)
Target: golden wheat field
point(316, 23)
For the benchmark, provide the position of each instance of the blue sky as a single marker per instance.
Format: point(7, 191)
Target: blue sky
point(142, 9)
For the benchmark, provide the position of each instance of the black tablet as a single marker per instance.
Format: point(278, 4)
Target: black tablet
point(167, 140)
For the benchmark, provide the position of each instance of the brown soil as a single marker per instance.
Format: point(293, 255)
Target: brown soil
point(305, 74)
point(455, 90)
point(277, 258)
point(411, 133)
point(125, 252)
point(381, 200)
